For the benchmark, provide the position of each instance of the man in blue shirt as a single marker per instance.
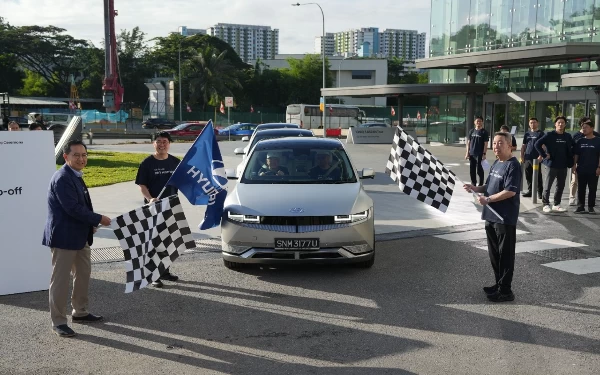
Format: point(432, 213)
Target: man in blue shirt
point(556, 154)
point(587, 166)
point(477, 142)
point(501, 193)
point(529, 154)
point(573, 199)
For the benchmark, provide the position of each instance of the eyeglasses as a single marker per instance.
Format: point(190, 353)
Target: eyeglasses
point(79, 156)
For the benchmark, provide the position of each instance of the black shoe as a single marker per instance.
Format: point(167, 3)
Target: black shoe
point(527, 194)
point(490, 289)
point(580, 210)
point(169, 277)
point(591, 210)
point(539, 195)
point(501, 297)
point(157, 284)
point(89, 318)
point(63, 330)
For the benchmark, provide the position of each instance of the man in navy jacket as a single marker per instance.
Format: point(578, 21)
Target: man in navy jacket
point(556, 158)
point(69, 232)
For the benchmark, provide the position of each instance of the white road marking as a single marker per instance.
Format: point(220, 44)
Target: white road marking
point(577, 266)
point(470, 235)
point(549, 244)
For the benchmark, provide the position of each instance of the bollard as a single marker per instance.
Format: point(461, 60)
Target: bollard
point(534, 180)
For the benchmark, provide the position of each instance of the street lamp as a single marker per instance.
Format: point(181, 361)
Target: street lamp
point(180, 98)
point(323, 55)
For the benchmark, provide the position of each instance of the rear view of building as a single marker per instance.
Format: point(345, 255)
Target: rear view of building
point(249, 41)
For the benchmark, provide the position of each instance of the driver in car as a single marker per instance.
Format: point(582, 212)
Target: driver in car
point(324, 170)
point(273, 168)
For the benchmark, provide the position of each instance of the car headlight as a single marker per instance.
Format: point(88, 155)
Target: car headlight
point(360, 216)
point(243, 218)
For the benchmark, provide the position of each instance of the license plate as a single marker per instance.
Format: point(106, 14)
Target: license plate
point(296, 244)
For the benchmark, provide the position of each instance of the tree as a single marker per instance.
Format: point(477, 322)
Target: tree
point(306, 76)
point(34, 85)
point(135, 64)
point(209, 77)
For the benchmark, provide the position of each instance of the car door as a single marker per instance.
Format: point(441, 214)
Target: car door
point(196, 129)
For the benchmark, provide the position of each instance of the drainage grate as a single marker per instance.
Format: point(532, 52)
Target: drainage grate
point(115, 253)
point(565, 254)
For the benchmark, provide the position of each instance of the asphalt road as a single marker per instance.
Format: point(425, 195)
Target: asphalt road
point(419, 310)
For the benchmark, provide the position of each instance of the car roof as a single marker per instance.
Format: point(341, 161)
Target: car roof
point(279, 125)
point(284, 131)
point(312, 142)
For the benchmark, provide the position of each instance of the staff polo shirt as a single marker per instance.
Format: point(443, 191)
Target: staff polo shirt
point(529, 140)
point(477, 138)
point(504, 176)
point(588, 150)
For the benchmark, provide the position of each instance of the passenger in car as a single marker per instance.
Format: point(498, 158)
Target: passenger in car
point(273, 168)
point(324, 168)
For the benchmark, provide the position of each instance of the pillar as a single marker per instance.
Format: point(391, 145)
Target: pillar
point(472, 74)
point(597, 117)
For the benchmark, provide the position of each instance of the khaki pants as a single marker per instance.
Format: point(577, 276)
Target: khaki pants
point(573, 184)
point(65, 262)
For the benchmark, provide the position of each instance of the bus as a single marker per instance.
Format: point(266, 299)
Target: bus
point(309, 116)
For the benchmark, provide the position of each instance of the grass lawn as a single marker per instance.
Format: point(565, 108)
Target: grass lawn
point(107, 168)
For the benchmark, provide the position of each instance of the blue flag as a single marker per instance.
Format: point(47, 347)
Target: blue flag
point(201, 176)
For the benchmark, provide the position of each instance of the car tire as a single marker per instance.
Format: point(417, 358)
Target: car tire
point(233, 265)
point(367, 263)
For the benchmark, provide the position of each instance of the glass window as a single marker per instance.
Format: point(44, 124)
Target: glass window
point(549, 24)
point(480, 21)
point(578, 19)
point(460, 28)
point(361, 74)
point(500, 23)
point(293, 109)
point(523, 23)
point(441, 11)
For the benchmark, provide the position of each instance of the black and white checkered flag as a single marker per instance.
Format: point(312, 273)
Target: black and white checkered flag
point(152, 237)
point(418, 173)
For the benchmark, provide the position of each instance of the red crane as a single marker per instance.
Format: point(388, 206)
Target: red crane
point(112, 90)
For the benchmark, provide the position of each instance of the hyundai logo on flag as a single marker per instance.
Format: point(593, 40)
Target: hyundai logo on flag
point(219, 176)
point(296, 210)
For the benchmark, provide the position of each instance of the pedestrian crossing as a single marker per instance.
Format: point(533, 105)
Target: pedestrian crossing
point(574, 266)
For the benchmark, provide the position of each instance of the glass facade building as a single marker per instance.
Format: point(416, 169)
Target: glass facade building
point(522, 91)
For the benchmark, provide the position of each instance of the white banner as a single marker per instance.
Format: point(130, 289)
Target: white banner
point(370, 135)
point(26, 166)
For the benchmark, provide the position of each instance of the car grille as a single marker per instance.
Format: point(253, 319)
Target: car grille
point(295, 224)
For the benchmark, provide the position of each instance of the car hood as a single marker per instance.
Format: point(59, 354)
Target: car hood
point(313, 199)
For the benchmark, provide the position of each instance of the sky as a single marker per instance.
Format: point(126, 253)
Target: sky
point(298, 26)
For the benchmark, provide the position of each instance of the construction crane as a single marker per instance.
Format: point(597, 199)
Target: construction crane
point(74, 103)
point(112, 90)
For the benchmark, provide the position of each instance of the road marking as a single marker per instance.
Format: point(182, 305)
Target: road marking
point(577, 266)
point(549, 244)
point(470, 235)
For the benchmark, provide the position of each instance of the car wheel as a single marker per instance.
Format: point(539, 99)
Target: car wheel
point(233, 265)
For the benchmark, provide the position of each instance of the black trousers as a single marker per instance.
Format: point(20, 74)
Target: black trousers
point(475, 166)
point(551, 174)
point(528, 164)
point(589, 181)
point(502, 240)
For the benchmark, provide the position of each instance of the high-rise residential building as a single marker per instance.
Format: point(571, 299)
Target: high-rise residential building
point(249, 41)
point(329, 44)
point(369, 41)
point(185, 31)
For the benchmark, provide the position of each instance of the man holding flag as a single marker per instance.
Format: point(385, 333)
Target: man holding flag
point(152, 177)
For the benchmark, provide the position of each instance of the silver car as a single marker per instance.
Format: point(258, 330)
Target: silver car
point(298, 200)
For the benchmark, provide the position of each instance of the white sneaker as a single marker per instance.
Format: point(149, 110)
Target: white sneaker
point(573, 202)
point(558, 209)
point(547, 209)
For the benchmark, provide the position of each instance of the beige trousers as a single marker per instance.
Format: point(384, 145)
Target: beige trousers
point(65, 263)
point(573, 184)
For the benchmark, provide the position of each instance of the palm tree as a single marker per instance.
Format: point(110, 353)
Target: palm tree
point(210, 76)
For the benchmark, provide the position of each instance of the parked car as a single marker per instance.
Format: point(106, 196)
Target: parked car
point(272, 134)
point(274, 125)
point(238, 130)
point(158, 123)
point(374, 125)
point(187, 129)
point(298, 215)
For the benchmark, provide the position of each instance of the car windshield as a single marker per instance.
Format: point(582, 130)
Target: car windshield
point(262, 136)
point(299, 165)
point(180, 127)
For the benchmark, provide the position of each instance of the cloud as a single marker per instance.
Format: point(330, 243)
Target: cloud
point(297, 26)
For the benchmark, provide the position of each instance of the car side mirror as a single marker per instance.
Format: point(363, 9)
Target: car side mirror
point(230, 173)
point(367, 173)
point(245, 138)
point(239, 151)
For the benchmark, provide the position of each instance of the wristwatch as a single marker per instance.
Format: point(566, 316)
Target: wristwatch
point(487, 199)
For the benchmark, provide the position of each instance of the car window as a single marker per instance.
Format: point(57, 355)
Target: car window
point(261, 136)
point(180, 127)
point(299, 165)
point(197, 127)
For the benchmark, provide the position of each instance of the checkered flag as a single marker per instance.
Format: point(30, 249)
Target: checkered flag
point(152, 237)
point(418, 173)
